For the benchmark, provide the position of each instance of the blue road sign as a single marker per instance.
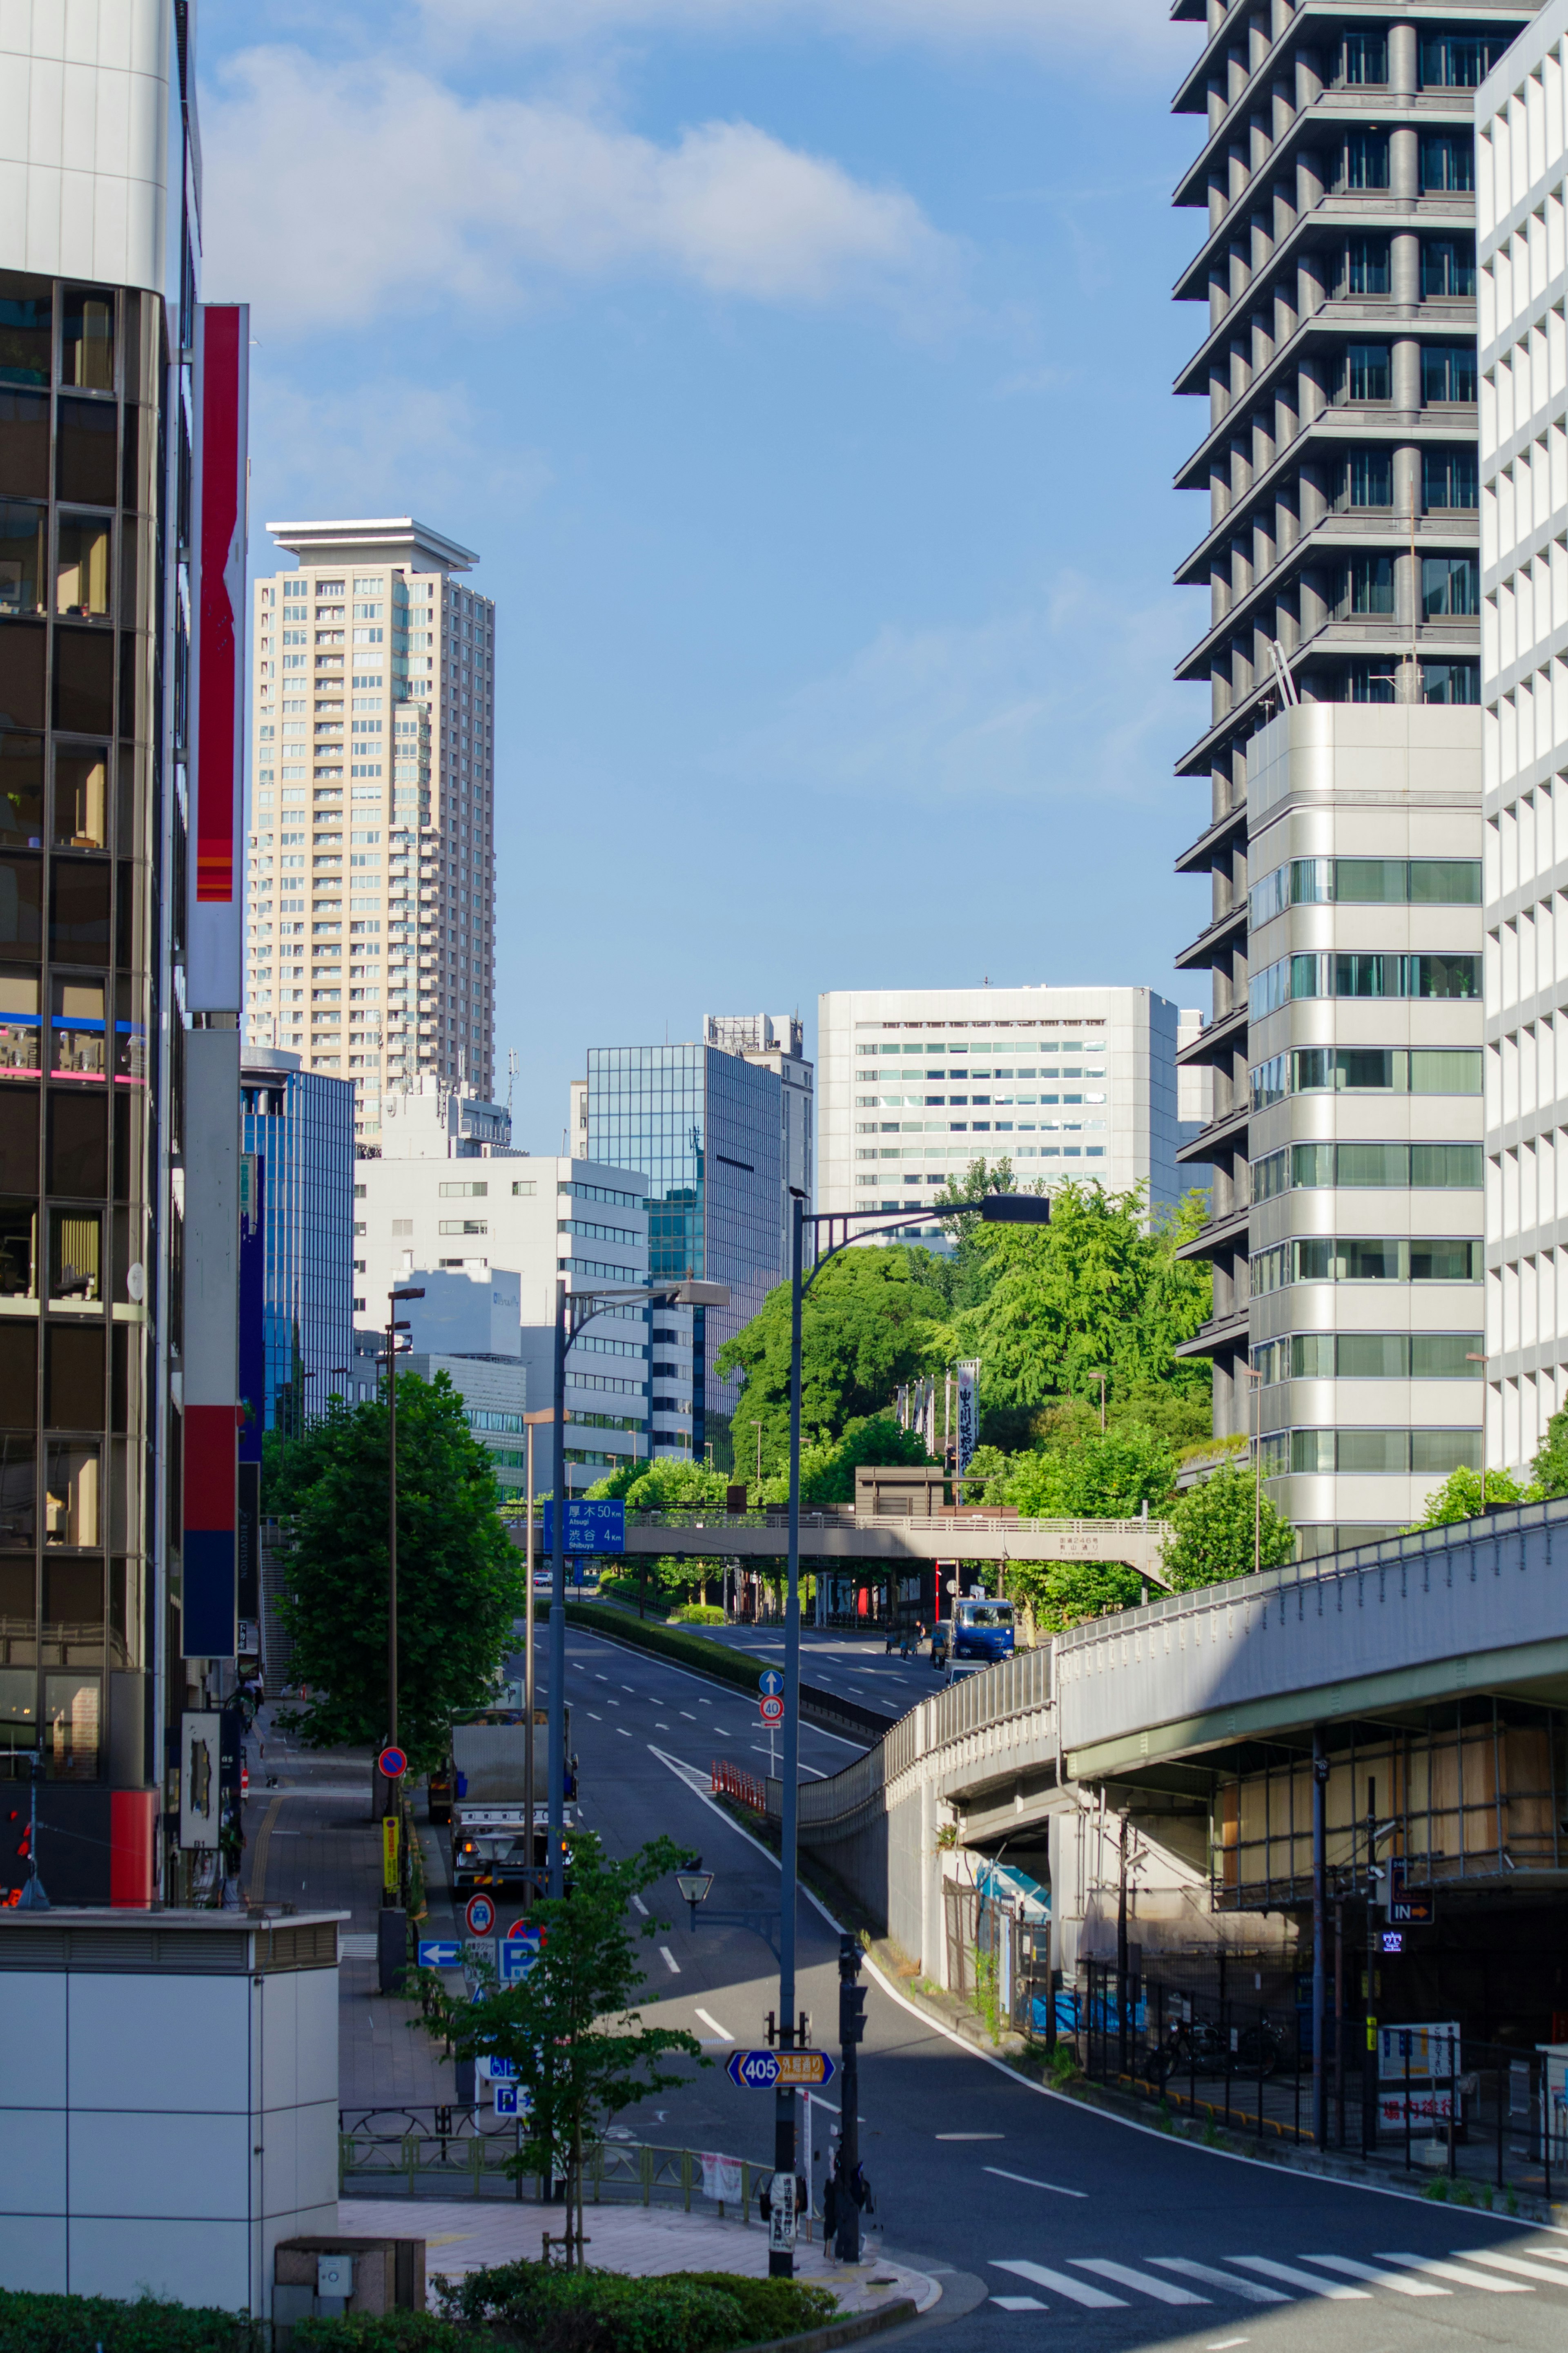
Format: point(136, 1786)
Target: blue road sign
point(590, 1527)
point(506, 2097)
point(439, 1953)
point(770, 1682)
point(759, 2071)
point(518, 1955)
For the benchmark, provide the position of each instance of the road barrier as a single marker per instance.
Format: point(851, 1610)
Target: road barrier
point(734, 1781)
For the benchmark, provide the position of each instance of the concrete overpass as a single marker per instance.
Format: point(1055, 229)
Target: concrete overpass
point(1436, 1666)
point(843, 1535)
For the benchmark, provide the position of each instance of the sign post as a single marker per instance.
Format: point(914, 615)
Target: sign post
point(781, 2214)
point(779, 2071)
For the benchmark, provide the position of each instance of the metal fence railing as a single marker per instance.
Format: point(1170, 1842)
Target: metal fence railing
point(1489, 2119)
point(464, 2152)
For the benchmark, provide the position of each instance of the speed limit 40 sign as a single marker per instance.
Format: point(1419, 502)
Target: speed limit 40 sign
point(772, 1710)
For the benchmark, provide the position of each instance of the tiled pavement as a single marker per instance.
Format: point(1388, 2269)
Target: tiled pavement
point(638, 2239)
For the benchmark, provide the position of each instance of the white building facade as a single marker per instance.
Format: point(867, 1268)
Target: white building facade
point(486, 1231)
point(371, 914)
point(916, 1083)
point(1521, 192)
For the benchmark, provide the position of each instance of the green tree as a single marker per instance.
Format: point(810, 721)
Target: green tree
point(1460, 1497)
point(1099, 1290)
point(571, 2029)
point(828, 1465)
point(663, 1486)
point(869, 1323)
point(1058, 1593)
point(1551, 1464)
point(1212, 1536)
point(1100, 1475)
point(459, 1577)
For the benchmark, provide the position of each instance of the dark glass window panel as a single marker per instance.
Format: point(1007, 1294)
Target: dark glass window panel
point(1362, 1067)
point(1369, 881)
point(128, 678)
point(1373, 1355)
point(73, 1705)
point(1369, 479)
point(78, 1144)
point(1449, 478)
point(1445, 1261)
point(1361, 1260)
point(78, 1034)
point(1437, 1451)
point(1366, 584)
point(1447, 165)
point(21, 1028)
point(19, 1372)
point(1445, 1355)
point(18, 1623)
point(1451, 682)
point(84, 681)
point(24, 558)
point(73, 1613)
point(1364, 269)
point(120, 1377)
point(87, 454)
point(1450, 585)
point(27, 328)
point(1445, 1070)
point(1366, 975)
point(1459, 60)
point(73, 1376)
point(130, 458)
point(1362, 371)
point(25, 444)
point(1373, 1164)
point(1447, 372)
point(19, 1141)
point(22, 646)
point(19, 1492)
point(18, 1249)
point(83, 556)
point(1313, 1260)
point(1446, 1164)
point(1312, 1164)
point(78, 910)
point(87, 338)
point(1363, 60)
point(1443, 976)
point(129, 1059)
point(21, 792)
point(73, 1497)
point(1363, 161)
point(1446, 881)
point(21, 906)
point(81, 797)
point(1369, 683)
point(128, 1131)
point(126, 1621)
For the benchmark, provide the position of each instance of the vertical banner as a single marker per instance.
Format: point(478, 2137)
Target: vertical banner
point(215, 894)
point(968, 1411)
point(211, 1409)
point(252, 1304)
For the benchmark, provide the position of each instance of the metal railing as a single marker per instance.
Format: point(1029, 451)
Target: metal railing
point(448, 2151)
point(1014, 1687)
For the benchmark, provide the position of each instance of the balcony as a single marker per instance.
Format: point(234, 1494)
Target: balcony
point(1222, 935)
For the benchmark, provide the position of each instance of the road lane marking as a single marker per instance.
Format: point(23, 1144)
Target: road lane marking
point(1019, 2303)
point(1498, 2263)
point(1145, 2283)
point(1353, 2270)
point(624, 1733)
point(971, 2135)
point(1030, 2183)
point(627, 1687)
point(1248, 2289)
point(661, 1727)
point(670, 1963)
point(642, 1907)
point(1080, 2291)
point(721, 2031)
point(1453, 2272)
point(686, 1711)
point(594, 1719)
point(1309, 2279)
point(1224, 2344)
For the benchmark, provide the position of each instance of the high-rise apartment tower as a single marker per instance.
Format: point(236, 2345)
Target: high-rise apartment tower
point(1341, 557)
point(372, 909)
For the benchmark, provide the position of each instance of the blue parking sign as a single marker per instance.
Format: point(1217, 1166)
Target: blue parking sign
point(506, 2097)
point(518, 1955)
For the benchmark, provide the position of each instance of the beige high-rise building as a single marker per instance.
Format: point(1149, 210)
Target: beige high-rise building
point(371, 932)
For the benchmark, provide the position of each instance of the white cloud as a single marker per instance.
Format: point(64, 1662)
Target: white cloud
point(336, 193)
point(384, 448)
point(1072, 697)
point(1112, 29)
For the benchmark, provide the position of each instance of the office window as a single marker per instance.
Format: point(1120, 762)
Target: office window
point(1365, 585)
point(1459, 60)
point(1361, 161)
point(1447, 164)
point(1450, 585)
point(1447, 373)
point(1448, 478)
point(1449, 268)
point(1368, 681)
point(1366, 479)
point(1362, 267)
point(1362, 61)
point(1451, 682)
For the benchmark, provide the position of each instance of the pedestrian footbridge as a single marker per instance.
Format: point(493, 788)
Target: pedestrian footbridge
point(1435, 1666)
point(886, 1540)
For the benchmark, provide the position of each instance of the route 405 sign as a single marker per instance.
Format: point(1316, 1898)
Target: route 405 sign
point(764, 2071)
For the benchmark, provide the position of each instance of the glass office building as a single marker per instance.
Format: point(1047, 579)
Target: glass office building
point(300, 1130)
point(706, 1129)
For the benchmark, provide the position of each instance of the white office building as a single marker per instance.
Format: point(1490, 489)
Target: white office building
point(450, 1208)
point(1521, 198)
point(916, 1083)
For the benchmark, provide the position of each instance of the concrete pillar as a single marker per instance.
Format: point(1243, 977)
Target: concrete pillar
point(1404, 162)
point(1401, 60)
point(1404, 267)
point(1408, 374)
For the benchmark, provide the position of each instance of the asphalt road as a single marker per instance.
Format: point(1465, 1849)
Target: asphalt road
point(855, 1666)
point(1076, 2223)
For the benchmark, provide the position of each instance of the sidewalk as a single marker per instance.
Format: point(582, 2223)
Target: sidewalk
point(641, 2240)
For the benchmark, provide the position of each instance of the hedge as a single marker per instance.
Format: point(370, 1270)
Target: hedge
point(84, 2324)
point(739, 1667)
point(605, 2312)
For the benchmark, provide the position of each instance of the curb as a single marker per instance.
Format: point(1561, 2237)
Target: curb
point(843, 2332)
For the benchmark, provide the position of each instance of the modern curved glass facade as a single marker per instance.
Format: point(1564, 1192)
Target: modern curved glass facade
point(300, 1126)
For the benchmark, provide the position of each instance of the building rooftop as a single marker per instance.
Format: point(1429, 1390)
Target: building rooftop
point(382, 539)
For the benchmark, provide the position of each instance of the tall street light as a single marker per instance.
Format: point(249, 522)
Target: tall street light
point(531, 1422)
point(572, 1309)
point(842, 1228)
point(393, 1328)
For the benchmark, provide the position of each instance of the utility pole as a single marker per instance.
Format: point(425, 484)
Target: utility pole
point(1319, 1938)
point(393, 1328)
point(851, 2033)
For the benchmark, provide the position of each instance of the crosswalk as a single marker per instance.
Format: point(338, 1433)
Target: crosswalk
point(1104, 2284)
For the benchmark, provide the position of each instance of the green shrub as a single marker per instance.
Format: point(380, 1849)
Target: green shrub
point(697, 1613)
point(1437, 2189)
point(597, 2312)
point(81, 2324)
point(770, 2307)
point(379, 2332)
point(717, 1659)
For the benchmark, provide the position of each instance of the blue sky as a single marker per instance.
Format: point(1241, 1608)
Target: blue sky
point(800, 370)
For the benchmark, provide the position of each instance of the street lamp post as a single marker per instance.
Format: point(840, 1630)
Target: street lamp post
point(392, 1329)
point(572, 1309)
point(1255, 1378)
point(530, 1421)
point(842, 1228)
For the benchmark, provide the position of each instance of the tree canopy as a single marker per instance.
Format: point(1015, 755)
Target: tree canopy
point(459, 1577)
point(1213, 1531)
